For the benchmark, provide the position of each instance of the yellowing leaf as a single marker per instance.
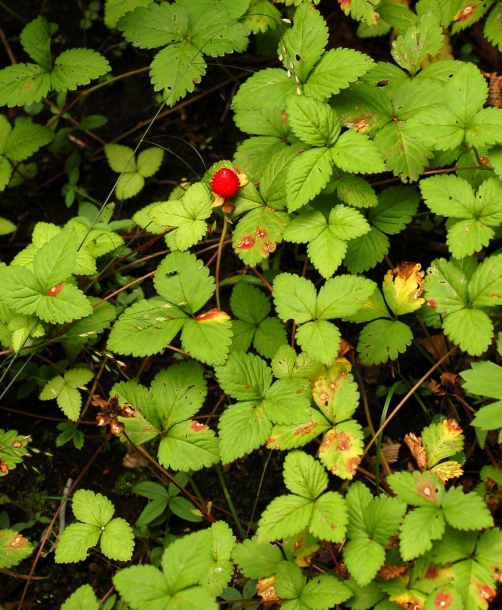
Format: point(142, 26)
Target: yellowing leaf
point(403, 287)
point(447, 470)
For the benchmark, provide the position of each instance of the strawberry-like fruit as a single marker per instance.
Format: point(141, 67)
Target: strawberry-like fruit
point(225, 183)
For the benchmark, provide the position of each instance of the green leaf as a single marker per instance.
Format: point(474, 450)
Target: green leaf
point(36, 40)
point(68, 304)
point(149, 161)
point(485, 285)
point(466, 92)
point(92, 508)
point(294, 298)
point(5, 174)
point(257, 560)
point(363, 558)
point(267, 88)
point(221, 568)
point(284, 516)
point(420, 527)
point(483, 378)
point(117, 540)
point(304, 475)
point(471, 329)
point(144, 587)
point(189, 446)
point(288, 581)
point(287, 402)
point(323, 592)
point(465, 511)
point(187, 215)
point(83, 597)
point(342, 296)
point(307, 175)
point(176, 70)
point(69, 432)
point(292, 436)
point(446, 287)
point(75, 541)
point(76, 67)
point(329, 517)
point(243, 428)
point(25, 139)
point(336, 69)
point(365, 252)
point(485, 127)
point(356, 192)
point(130, 184)
point(22, 84)
point(55, 261)
point(186, 560)
point(115, 9)
point(146, 328)
point(179, 392)
point(314, 122)
point(19, 289)
point(448, 196)
point(418, 41)
point(184, 281)
point(492, 30)
point(14, 547)
point(320, 339)
point(208, 337)
point(341, 449)
point(244, 376)
point(120, 158)
point(216, 32)
point(304, 43)
point(148, 26)
point(355, 152)
point(362, 10)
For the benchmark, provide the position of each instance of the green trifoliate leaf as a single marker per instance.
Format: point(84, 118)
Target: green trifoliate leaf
point(442, 440)
point(189, 445)
point(22, 84)
point(244, 376)
point(208, 337)
point(471, 329)
point(304, 475)
point(257, 560)
point(362, 10)
point(64, 389)
point(149, 161)
point(295, 298)
point(151, 27)
point(411, 47)
point(36, 41)
point(75, 541)
point(420, 527)
point(14, 547)
point(187, 216)
point(314, 122)
point(304, 43)
point(365, 252)
point(24, 139)
point(485, 285)
point(83, 597)
point(336, 69)
point(374, 308)
point(221, 568)
point(492, 30)
point(176, 70)
point(55, 261)
point(308, 174)
point(355, 152)
point(179, 392)
point(76, 67)
point(267, 88)
point(243, 428)
point(465, 511)
point(356, 192)
point(146, 328)
point(341, 449)
point(184, 281)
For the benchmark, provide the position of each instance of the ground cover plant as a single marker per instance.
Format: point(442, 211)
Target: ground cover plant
point(250, 300)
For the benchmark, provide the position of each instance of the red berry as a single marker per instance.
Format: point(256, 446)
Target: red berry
point(225, 183)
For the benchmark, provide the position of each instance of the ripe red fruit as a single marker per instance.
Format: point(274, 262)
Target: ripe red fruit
point(225, 183)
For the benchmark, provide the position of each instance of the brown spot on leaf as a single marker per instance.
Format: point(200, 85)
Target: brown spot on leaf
point(344, 4)
point(305, 429)
point(55, 290)
point(246, 243)
point(261, 233)
point(196, 426)
point(442, 600)
point(432, 573)
point(18, 541)
point(465, 13)
point(215, 315)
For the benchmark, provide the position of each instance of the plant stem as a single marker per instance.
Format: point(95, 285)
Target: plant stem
point(218, 261)
point(229, 500)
